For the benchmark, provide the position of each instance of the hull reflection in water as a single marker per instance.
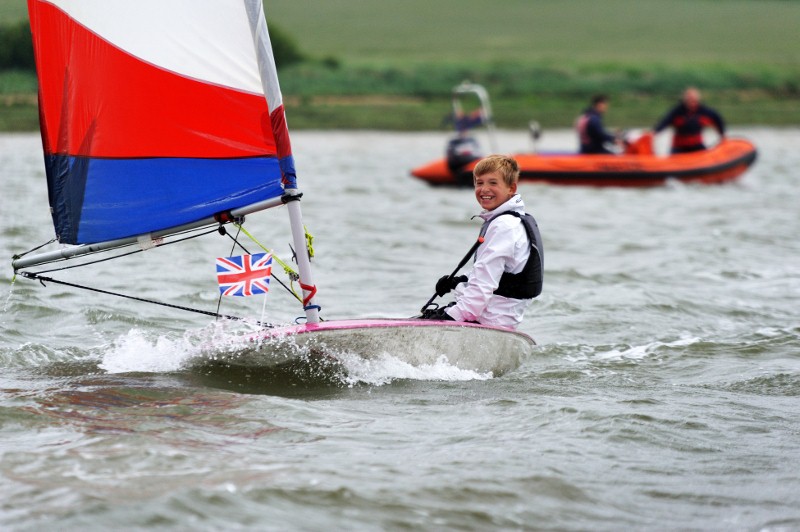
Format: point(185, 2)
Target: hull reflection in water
point(465, 346)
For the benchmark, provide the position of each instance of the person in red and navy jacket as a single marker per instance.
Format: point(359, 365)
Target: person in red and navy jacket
point(689, 118)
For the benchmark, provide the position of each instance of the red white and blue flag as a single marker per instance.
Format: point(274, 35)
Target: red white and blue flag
point(244, 275)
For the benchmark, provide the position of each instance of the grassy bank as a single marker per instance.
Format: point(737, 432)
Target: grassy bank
point(18, 112)
point(405, 114)
point(419, 98)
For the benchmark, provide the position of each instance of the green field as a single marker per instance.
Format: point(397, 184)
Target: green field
point(13, 10)
point(676, 32)
point(539, 59)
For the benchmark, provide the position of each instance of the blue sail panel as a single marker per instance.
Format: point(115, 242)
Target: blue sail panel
point(107, 199)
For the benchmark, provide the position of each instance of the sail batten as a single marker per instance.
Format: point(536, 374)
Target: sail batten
point(152, 119)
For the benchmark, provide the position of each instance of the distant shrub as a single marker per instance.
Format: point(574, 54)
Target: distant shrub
point(331, 62)
point(16, 48)
point(284, 48)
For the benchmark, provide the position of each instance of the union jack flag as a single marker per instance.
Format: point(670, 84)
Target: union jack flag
point(244, 275)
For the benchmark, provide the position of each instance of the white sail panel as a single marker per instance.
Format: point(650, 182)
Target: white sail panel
point(265, 56)
point(161, 32)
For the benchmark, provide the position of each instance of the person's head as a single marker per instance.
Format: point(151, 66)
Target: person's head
point(691, 98)
point(495, 179)
point(600, 103)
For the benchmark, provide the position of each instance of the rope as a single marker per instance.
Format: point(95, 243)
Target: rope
point(293, 275)
point(311, 289)
point(98, 261)
point(288, 269)
point(42, 279)
point(287, 288)
point(15, 257)
point(309, 242)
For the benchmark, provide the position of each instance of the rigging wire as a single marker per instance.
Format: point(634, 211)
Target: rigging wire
point(237, 243)
point(293, 275)
point(220, 229)
point(288, 269)
point(42, 279)
point(19, 256)
point(98, 261)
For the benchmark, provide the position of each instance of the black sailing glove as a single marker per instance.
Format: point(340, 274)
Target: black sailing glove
point(447, 283)
point(437, 314)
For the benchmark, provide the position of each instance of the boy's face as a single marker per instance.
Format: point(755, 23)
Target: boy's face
point(491, 190)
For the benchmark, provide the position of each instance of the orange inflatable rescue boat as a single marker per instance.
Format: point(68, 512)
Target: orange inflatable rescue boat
point(637, 166)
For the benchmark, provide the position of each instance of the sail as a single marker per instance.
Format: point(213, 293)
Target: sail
point(155, 113)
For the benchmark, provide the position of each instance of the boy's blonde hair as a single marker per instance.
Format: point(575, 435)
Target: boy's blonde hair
point(504, 164)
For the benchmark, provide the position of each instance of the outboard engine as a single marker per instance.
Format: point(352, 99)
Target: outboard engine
point(461, 150)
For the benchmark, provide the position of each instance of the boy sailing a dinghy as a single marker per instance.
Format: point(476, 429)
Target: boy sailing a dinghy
point(507, 273)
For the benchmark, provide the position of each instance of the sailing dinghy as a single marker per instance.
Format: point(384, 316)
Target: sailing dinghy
point(205, 73)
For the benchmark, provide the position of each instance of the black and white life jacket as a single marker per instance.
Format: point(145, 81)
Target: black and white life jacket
point(526, 284)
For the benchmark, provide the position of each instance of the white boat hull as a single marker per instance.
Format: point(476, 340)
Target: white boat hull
point(467, 346)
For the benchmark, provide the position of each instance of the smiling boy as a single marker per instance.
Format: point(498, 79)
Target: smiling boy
point(507, 273)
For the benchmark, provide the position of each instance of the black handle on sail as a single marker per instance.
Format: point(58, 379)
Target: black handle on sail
point(461, 264)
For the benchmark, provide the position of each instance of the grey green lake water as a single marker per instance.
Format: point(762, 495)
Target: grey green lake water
point(664, 393)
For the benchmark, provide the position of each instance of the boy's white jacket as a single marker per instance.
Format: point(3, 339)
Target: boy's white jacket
point(505, 249)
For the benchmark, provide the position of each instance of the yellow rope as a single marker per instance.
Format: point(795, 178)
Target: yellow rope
point(293, 275)
point(288, 269)
point(309, 242)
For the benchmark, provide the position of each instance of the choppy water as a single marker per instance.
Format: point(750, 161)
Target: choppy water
point(665, 393)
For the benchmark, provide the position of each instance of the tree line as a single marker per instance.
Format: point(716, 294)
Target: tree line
point(16, 47)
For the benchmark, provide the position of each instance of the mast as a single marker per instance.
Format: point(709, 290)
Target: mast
point(292, 194)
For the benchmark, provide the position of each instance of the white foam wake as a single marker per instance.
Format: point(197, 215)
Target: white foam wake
point(138, 351)
point(636, 352)
point(387, 368)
